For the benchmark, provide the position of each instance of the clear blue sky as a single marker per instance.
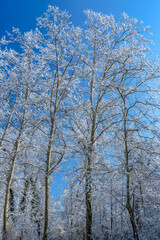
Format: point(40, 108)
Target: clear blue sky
point(22, 14)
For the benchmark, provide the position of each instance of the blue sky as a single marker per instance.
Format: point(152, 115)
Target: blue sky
point(22, 14)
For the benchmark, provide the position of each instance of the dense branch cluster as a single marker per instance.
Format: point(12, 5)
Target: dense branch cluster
point(79, 131)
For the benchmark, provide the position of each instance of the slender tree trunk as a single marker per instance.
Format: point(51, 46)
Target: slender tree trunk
point(88, 202)
point(7, 194)
point(10, 176)
point(24, 197)
point(133, 223)
point(129, 207)
point(88, 187)
point(71, 214)
point(12, 204)
point(122, 212)
point(48, 162)
point(111, 209)
point(46, 216)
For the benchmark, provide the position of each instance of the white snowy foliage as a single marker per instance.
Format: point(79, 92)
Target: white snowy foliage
point(80, 105)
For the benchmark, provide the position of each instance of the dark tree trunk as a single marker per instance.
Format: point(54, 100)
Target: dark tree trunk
point(88, 202)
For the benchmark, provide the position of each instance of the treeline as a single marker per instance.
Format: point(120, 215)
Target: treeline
point(80, 105)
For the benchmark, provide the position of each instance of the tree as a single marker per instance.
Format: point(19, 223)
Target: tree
point(21, 74)
point(61, 55)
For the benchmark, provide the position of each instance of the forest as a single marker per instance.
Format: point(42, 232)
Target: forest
point(79, 130)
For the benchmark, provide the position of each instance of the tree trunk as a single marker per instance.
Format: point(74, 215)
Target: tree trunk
point(12, 204)
point(88, 186)
point(24, 198)
point(46, 216)
point(10, 176)
point(48, 162)
point(133, 223)
point(128, 170)
point(7, 194)
point(111, 209)
point(88, 189)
